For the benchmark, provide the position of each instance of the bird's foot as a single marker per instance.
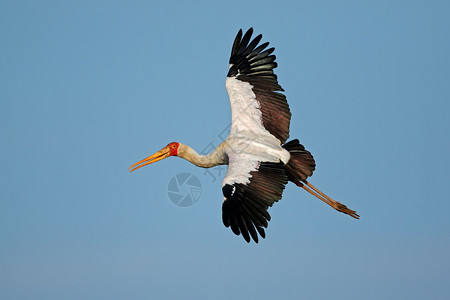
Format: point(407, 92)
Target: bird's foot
point(344, 209)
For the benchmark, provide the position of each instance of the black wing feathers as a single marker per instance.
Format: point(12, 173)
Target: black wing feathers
point(252, 45)
point(236, 43)
point(254, 64)
point(245, 207)
point(244, 42)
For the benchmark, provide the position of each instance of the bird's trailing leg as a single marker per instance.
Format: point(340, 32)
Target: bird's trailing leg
point(334, 204)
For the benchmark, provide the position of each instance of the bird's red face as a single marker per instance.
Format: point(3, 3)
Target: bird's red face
point(169, 150)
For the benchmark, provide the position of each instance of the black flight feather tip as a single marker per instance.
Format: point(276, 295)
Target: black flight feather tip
point(245, 206)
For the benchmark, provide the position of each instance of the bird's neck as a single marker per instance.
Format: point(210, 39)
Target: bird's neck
point(213, 159)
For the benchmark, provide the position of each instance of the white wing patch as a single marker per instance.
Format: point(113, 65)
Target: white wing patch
point(245, 112)
point(239, 168)
point(249, 142)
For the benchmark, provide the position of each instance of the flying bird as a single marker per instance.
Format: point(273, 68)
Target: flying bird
point(260, 161)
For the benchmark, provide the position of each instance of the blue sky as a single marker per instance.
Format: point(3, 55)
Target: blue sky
point(89, 87)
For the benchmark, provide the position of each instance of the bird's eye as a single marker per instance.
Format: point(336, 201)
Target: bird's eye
point(173, 146)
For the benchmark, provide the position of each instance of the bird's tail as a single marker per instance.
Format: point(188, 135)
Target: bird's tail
point(301, 166)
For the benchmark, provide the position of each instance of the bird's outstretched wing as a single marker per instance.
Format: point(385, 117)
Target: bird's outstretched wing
point(256, 102)
point(250, 188)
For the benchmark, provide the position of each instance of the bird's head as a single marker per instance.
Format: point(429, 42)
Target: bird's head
point(171, 149)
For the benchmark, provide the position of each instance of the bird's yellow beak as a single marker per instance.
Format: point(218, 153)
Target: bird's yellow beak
point(161, 154)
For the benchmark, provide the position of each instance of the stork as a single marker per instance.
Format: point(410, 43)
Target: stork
point(260, 161)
